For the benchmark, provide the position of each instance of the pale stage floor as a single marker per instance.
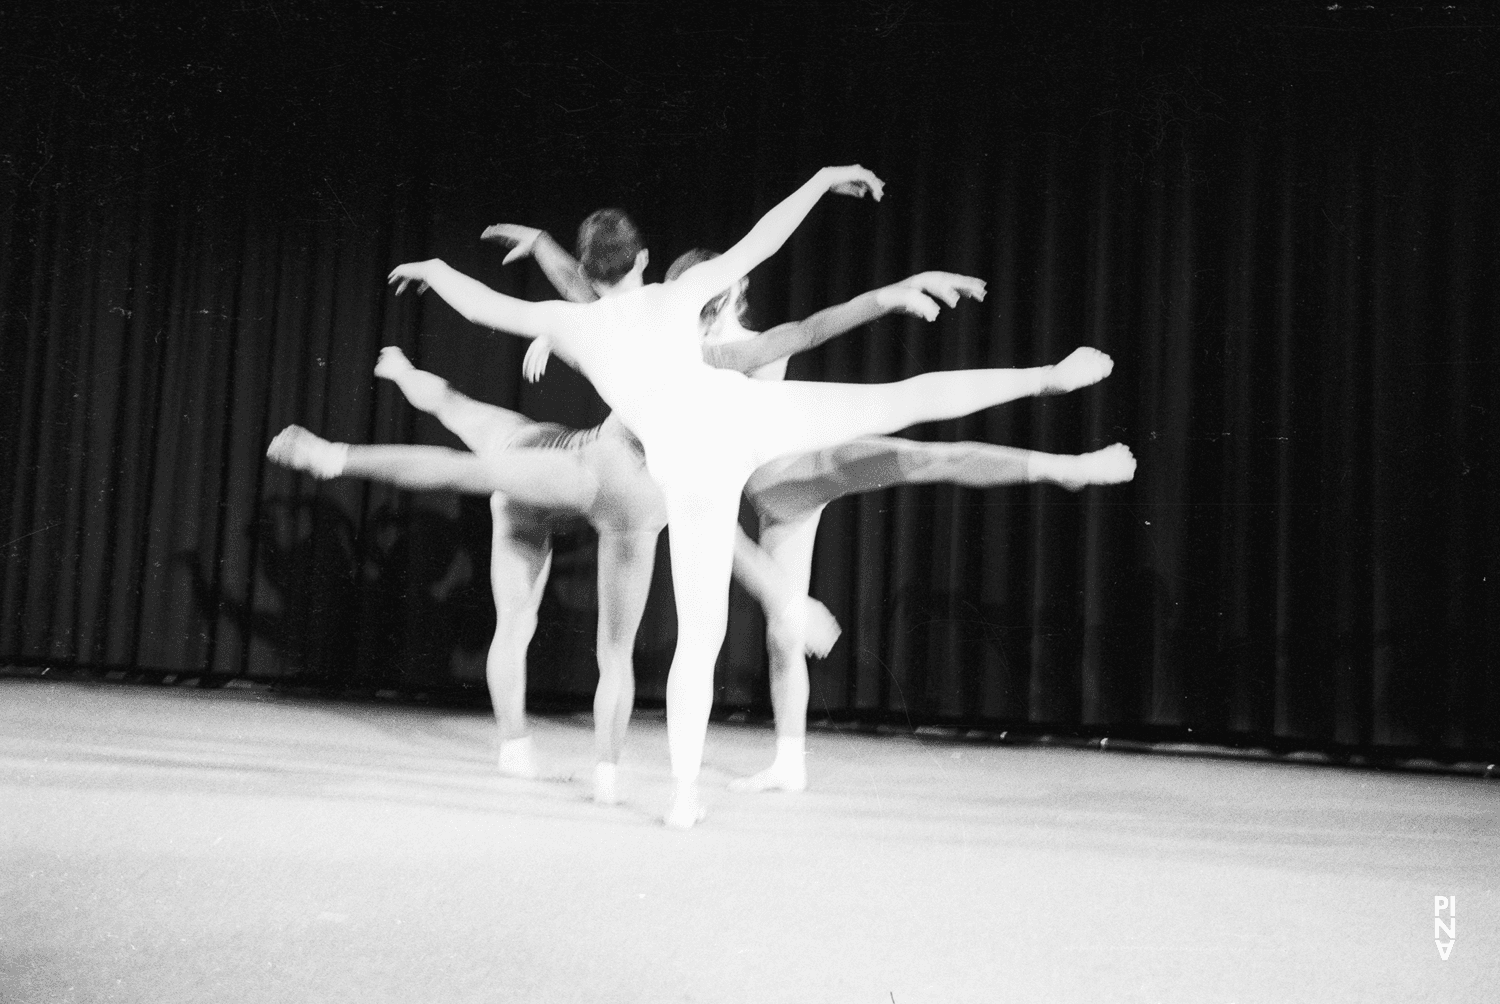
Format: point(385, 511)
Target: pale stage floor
point(166, 845)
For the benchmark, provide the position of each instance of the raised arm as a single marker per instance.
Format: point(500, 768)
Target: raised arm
point(917, 296)
point(476, 301)
point(708, 279)
point(560, 268)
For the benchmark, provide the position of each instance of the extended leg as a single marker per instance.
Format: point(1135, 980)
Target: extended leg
point(520, 558)
point(788, 489)
point(790, 495)
point(626, 561)
point(481, 426)
point(545, 479)
point(796, 416)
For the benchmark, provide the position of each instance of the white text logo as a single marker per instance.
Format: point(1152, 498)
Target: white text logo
point(1442, 928)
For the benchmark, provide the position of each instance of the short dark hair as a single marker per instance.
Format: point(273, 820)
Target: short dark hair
point(712, 308)
point(608, 244)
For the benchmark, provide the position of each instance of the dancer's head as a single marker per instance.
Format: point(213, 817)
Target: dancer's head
point(714, 311)
point(610, 251)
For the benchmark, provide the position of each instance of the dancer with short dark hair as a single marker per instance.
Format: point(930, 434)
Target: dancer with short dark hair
point(789, 494)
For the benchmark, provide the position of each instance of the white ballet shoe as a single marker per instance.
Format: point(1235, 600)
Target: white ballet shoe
point(1112, 465)
point(517, 760)
point(1115, 465)
point(605, 788)
point(1083, 366)
point(686, 810)
point(300, 450)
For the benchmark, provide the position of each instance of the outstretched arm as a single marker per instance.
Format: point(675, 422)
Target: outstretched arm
point(708, 279)
point(917, 296)
point(560, 268)
point(476, 301)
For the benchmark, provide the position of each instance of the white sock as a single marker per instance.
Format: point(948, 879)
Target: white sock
point(604, 783)
point(330, 463)
point(790, 751)
point(515, 756)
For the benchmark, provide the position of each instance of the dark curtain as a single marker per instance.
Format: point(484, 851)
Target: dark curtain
point(1280, 221)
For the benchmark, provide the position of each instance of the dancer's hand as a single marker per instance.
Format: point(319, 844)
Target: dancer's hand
point(520, 239)
point(535, 362)
point(908, 299)
point(417, 271)
point(946, 286)
point(854, 180)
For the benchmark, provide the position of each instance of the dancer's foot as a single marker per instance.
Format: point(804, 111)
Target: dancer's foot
point(1082, 367)
point(517, 759)
point(605, 789)
point(805, 625)
point(392, 363)
point(783, 775)
point(822, 629)
point(300, 450)
point(686, 810)
point(425, 391)
point(1112, 465)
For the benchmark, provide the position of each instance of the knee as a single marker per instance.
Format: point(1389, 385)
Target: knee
point(783, 639)
point(514, 631)
point(701, 640)
point(615, 663)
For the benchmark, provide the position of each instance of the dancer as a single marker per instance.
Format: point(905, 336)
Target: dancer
point(535, 474)
point(706, 430)
point(790, 493)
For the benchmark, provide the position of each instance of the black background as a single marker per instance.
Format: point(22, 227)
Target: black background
point(1280, 220)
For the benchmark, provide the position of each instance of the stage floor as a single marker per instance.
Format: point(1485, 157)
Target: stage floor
point(162, 845)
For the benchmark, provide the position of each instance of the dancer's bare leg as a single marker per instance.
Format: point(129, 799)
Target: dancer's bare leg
point(789, 611)
point(520, 558)
point(545, 479)
point(520, 548)
point(482, 427)
point(790, 488)
point(790, 545)
point(790, 496)
point(626, 561)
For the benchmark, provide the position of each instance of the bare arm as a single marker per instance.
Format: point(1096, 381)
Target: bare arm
point(917, 296)
point(708, 279)
point(476, 301)
point(560, 268)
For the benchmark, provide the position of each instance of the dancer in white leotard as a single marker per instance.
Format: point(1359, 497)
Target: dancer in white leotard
point(706, 430)
point(790, 493)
